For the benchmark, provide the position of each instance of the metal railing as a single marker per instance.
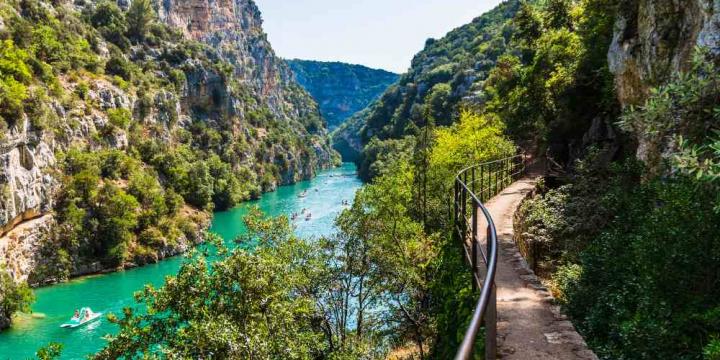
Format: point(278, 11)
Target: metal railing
point(474, 186)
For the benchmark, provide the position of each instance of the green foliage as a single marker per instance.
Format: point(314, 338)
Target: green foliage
point(397, 251)
point(265, 303)
point(14, 75)
point(635, 262)
point(50, 351)
point(341, 89)
point(658, 299)
point(475, 139)
point(558, 15)
point(686, 109)
point(139, 18)
point(112, 206)
point(14, 297)
point(110, 21)
point(446, 75)
point(554, 82)
point(712, 349)
point(528, 25)
point(120, 118)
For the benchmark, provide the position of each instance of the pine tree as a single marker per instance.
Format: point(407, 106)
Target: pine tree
point(139, 17)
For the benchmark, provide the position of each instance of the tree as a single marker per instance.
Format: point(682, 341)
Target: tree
point(14, 297)
point(117, 216)
point(399, 251)
point(139, 17)
point(557, 14)
point(14, 76)
point(249, 304)
point(528, 26)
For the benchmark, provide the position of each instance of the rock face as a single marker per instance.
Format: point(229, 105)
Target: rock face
point(655, 38)
point(341, 89)
point(25, 187)
point(234, 27)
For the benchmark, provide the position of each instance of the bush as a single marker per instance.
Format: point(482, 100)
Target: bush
point(118, 66)
point(647, 289)
point(120, 118)
point(13, 297)
point(14, 75)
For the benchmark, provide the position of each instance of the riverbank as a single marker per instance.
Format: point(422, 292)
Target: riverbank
point(110, 293)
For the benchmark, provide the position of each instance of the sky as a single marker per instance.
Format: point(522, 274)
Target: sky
point(383, 34)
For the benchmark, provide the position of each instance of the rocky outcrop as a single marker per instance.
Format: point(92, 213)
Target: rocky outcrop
point(655, 38)
point(235, 28)
point(20, 248)
point(25, 185)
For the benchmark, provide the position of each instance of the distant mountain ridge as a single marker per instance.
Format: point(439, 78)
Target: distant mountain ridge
point(341, 89)
point(446, 75)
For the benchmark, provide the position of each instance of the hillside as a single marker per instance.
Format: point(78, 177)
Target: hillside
point(341, 89)
point(447, 73)
point(122, 126)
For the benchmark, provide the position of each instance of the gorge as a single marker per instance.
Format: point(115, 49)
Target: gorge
point(139, 105)
point(129, 128)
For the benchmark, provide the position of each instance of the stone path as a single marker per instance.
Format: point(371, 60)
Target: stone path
point(529, 325)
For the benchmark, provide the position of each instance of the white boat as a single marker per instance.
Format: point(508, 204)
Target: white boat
point(84, 316)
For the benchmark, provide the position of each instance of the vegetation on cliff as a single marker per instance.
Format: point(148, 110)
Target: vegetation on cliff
point(13, 297)
point(443, 78)
point(341, 89)
point(141, 131)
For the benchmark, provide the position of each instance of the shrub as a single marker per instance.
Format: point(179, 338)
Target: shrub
point(13, 297)
point(118, 66)
point(14, 75)
point(120, 118)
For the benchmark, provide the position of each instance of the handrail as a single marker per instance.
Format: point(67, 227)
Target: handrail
point(492, 178)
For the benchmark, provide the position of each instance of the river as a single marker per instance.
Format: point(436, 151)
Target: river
point(112, 292)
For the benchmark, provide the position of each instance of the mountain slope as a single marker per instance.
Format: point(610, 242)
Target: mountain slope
point(122, 125)
point(449, 72)
point(341, 89)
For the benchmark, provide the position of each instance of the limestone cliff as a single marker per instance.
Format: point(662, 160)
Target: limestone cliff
point(203, 90)
point(653, 40)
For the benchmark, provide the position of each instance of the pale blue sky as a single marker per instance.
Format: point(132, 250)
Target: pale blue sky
point(377, 33)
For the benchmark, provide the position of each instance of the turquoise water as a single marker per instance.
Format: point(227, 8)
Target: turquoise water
point(112, 292)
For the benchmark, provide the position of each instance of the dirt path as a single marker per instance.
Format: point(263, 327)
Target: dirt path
point(529, 325)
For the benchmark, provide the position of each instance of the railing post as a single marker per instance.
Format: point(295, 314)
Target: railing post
point(490, 317)
point(475, 249)
point(482, 183)
point(472, 181)
point(508, 172)
point(463, 208)
point(456, 218)
point(495, 183)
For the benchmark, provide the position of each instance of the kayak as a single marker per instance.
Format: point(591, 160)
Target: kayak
point(76, 322)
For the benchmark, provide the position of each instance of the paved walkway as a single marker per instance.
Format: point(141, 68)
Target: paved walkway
point(529, 325)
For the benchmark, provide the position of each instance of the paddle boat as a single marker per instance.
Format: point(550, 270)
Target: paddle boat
point(303, 194)
point(82, 317)
point(308, 217)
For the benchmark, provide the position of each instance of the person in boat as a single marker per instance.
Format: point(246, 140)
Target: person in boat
point(77, 314)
